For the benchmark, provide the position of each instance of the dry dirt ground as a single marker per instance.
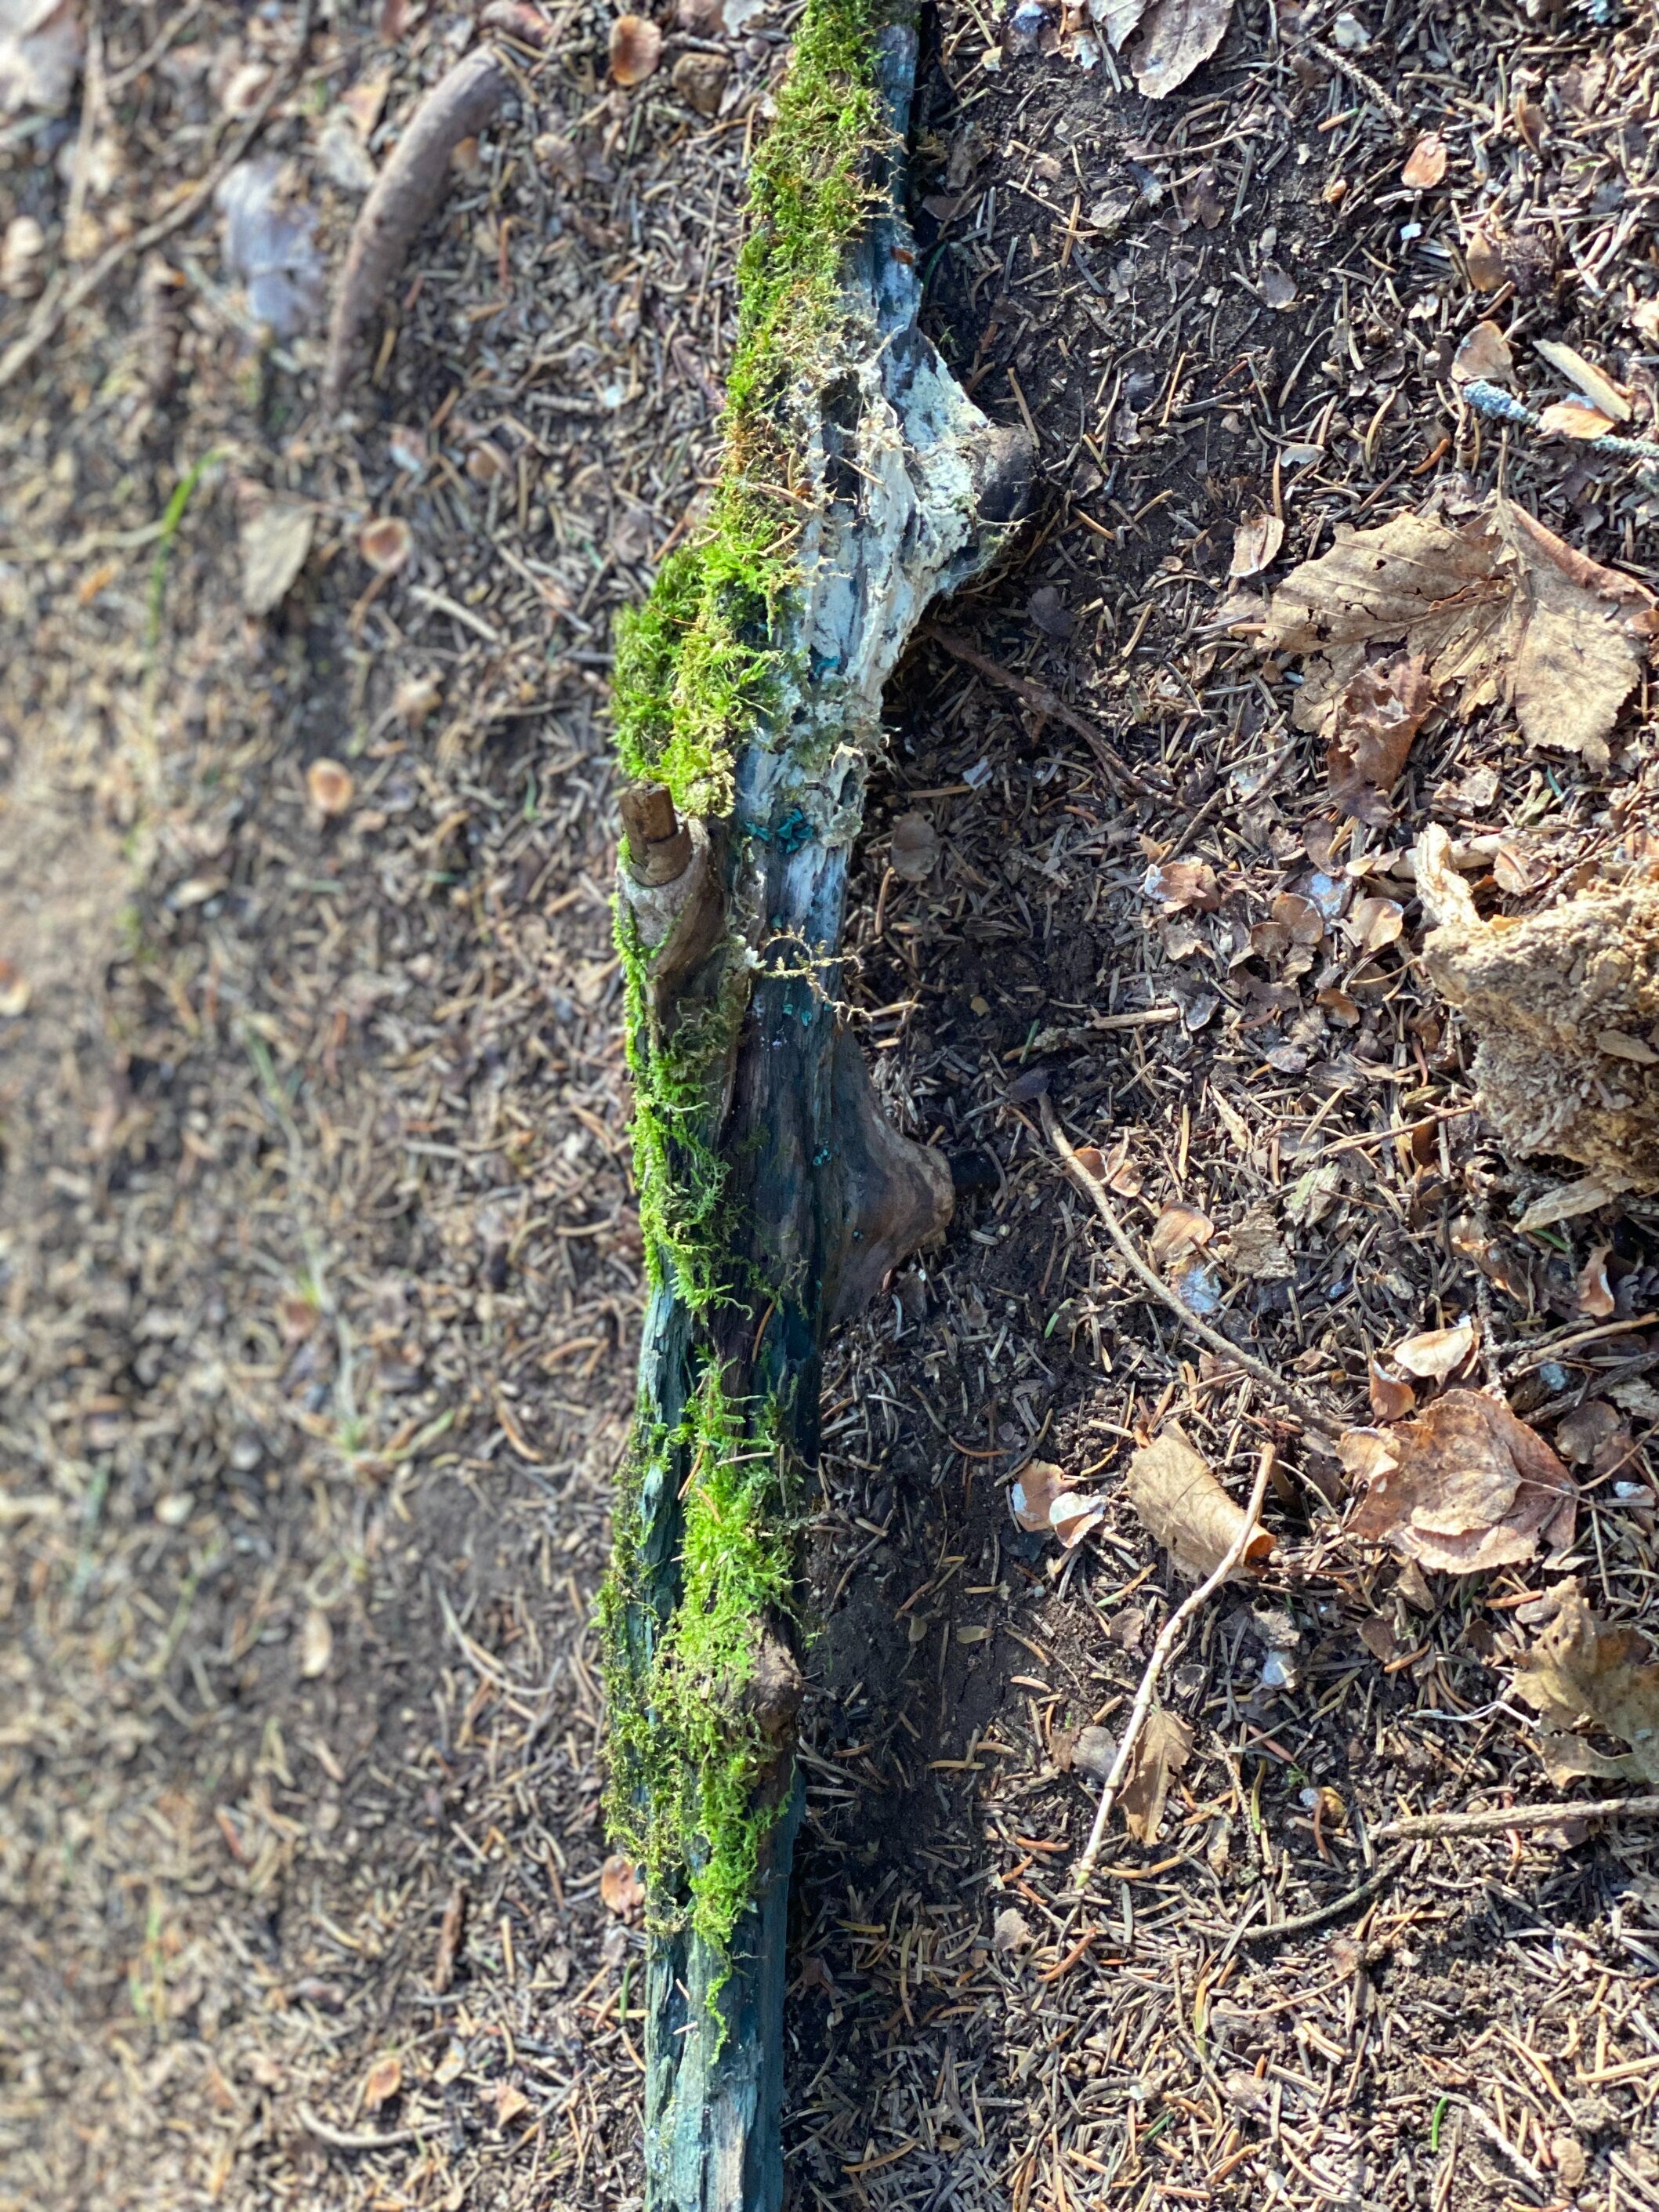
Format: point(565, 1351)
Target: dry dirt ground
point(318, 1276)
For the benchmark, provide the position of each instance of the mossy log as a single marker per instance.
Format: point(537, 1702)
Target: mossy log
point(775, 1195)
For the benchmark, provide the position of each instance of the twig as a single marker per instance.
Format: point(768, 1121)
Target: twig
point(347, 2139)
point(1345, 65)
point(1084, 1870)
point(50, 315)
point(405, 194)
point(1271, 1931)
point(1308, 1415)
point(1494, 1820)
point(1116, 771)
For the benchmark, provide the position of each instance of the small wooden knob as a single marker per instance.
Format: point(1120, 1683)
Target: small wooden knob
point(659, 844)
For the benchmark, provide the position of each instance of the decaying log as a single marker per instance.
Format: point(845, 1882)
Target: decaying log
point(907, 491)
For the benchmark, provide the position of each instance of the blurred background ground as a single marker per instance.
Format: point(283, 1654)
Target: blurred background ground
point(319, 1280)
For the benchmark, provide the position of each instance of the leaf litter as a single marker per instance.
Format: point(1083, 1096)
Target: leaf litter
point(1181, 1502)
point(1580, 1672)
point(1497, 608)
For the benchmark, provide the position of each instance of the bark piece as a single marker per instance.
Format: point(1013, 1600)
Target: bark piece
point(1177, 1496)
point(1566, 1004)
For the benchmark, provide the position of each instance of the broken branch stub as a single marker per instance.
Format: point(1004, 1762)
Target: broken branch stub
point(775, 1193)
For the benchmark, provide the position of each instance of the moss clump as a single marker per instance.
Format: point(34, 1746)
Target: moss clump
point(687, 1760)
point(701, 670)
point(699, 666)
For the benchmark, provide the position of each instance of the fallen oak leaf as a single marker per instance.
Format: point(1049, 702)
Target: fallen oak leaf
point(1183, 1505)
point(1582, 1671)
point(1162, 1749)
point(1463, 1488)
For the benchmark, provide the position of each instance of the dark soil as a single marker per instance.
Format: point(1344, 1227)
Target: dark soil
point(321, 1281)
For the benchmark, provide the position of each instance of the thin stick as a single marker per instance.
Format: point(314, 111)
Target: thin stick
point(1270, 1932)
point(1283, 1392)
point(1117, 770)
point(1084, 1870)
point(1494, 1820)
point(50, 315)
point(350, 2139)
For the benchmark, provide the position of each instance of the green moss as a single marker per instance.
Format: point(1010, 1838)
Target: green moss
point(688, 1760)
point(701, 670)
point(699, 667)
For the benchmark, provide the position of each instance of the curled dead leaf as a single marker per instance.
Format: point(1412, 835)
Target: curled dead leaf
point(914, 849)
point(1485, 353)
point(1183, 1505)
point(1463, 1488)
point(382, 2082)
point(1596, 1295)
point(1256, 541)
point(635, 49)
point(1162, 1749)
point(385, 543)
point(1043, 1503)
point(1391, 1399)
point(1426, 165)
point(332, 786)
point(620, 1890)
point(1181, 884)
point(1581, 1673)
point(1573, 418)
point(1437, 1353)
point(1373, 923)
point(1484, 264)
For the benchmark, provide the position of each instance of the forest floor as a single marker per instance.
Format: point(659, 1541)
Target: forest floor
point(319, 1280)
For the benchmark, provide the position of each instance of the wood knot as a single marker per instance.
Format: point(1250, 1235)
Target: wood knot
point(658, 843)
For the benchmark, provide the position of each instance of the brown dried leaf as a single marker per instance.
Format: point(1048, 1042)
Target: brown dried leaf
point(332, 786)
point(1485, 353)
point(1426, 165)
point(1032, 1495)
point(1463, 1488)
point(1183, 883)
point(1300, 917)
point(635, 49)
point(1368, 731)
point(1391, 1400)
point(1162, 1749)
point(620, 1890)
point(1579, 1673)
point(1573, 418)
point(1176, 36)
point(1256, 541)
point(382, 2082)
point(915, 848)
point(1582, 1433)
point(509, 2100)
point(275, 541)
point(1374, 922)
point(1186, 1509)
point(1498, 608)
point(1178, 1230)
point(1437, 1353)
point(1484, 264)
point(1594, 1292)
